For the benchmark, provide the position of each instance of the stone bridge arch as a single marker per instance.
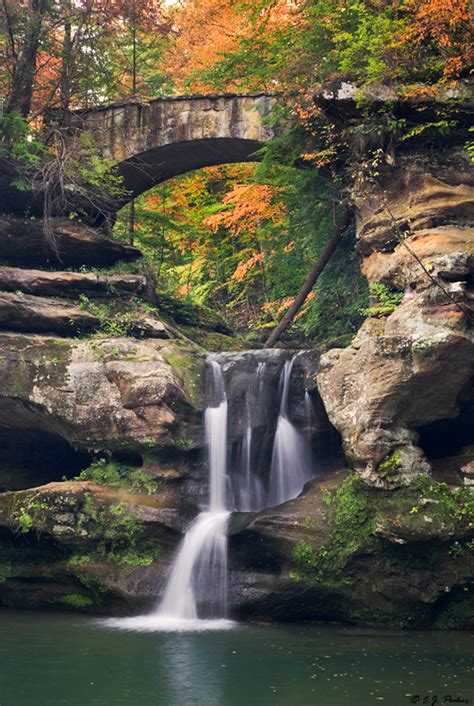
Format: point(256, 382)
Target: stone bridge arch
point(170, 136)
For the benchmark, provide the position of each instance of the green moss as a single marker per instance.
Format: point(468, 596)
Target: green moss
point(446, 504)
point(185, 444)
point(28, 510)
point(427, 510)
point(21, 379)
point(214, 341)
point(455, 549)
point(77, 560)
point(351, 521)
point(144, 553)
point(50, 358)
point(25, 521)
point(188, 368)
point(190, 314)
point(390, 465)
point(384, 300)
point(117, 318)
point(112, 322)
point(117, 534)
point(118, 475)
point(75, 600)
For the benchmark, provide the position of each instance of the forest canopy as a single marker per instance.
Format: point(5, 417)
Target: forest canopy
point(238, 239)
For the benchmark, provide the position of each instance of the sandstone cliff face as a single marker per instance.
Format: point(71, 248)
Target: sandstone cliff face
point(110, 393)
point(89, 371)
point(391, 543)
point(412, 366)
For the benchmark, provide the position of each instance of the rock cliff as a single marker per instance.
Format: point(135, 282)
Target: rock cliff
point(412, 362)
point(101, 400)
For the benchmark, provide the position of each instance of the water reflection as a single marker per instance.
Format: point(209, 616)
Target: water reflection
point(184, 660)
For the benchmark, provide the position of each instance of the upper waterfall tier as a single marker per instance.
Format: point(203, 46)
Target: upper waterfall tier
point(252, 384)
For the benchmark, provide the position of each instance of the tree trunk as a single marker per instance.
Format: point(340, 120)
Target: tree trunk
point(65, 87)
point(311, 280)
point(131, 223)
point(21, 92)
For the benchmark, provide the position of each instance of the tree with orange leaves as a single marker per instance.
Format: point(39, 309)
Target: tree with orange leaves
point(206, 32)
point(444, 28)
point(73, 52)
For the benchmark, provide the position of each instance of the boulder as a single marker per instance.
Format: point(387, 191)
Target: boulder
point(346, 552)
point(22, 312)
point(98, 394)
point(86, 546)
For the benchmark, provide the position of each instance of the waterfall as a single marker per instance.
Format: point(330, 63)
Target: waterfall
point(201, 563)
point(249, 494)
point(309, 411)
point(290, 467)
point(195, 596)
point(215, 421)
point(198, 577)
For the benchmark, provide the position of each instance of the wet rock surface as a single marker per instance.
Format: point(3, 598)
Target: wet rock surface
point(253, 386)
point(345, 552)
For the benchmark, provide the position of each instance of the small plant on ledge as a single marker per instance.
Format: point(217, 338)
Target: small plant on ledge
point(384, 300)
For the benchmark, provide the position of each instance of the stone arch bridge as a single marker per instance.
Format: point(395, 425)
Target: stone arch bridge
point(170, 136)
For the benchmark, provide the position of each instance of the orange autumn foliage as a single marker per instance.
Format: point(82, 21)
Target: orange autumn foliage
point(279, 306)
point(244, 267)
point(205, 30)
point(446, 25)
point(250, 205)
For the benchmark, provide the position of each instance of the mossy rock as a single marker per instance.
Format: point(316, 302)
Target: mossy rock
point(189, 314)
point(347, 551)
point(214, 341)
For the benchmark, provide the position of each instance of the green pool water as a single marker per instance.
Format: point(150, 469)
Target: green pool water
point(65, 660)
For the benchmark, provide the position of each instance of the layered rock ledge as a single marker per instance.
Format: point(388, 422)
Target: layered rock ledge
point(73, 245)
point(412, 362)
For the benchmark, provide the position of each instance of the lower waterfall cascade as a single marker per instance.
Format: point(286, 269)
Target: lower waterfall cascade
point(201, 561)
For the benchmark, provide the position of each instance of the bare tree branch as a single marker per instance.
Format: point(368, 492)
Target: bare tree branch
point(311, 280)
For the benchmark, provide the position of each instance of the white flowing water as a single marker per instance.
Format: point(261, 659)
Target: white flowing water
point(290, 468)
point(200, 562)
point(250, 495)
point(195, 597)
point(215, 421)
point(309, 410)
point(200, 567)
